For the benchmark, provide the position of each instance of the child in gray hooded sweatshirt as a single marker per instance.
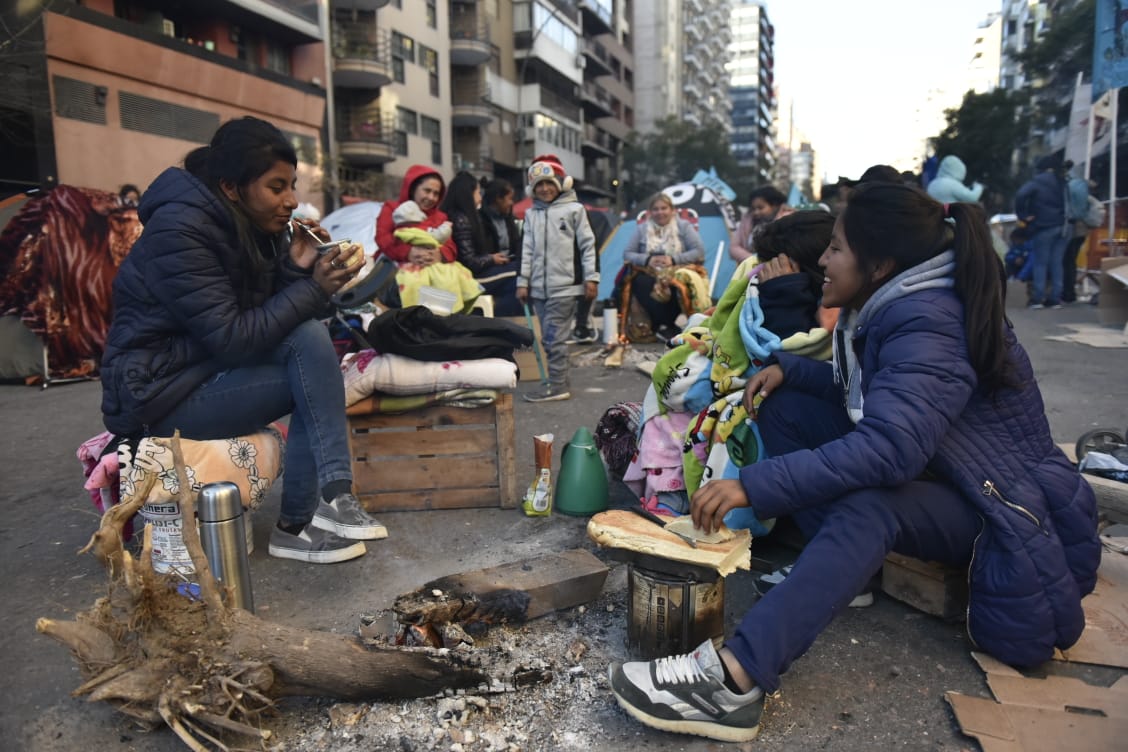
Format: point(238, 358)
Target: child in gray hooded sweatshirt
point(557, 266)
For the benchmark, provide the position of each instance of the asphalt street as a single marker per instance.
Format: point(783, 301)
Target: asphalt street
point(874, 680)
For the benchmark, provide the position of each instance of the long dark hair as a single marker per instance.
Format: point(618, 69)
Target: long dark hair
point(803, 236)
point(459, 200)
point(903, 224)
point(494, 190)
point(241, 151)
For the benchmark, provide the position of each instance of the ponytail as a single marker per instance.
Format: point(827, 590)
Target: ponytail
point(980, 283)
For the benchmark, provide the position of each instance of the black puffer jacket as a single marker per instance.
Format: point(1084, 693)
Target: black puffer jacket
point(186, 305)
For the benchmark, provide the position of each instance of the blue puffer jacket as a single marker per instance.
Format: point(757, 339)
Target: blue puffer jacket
point(1043, 198)
point(187, 306)
point(1038, 551)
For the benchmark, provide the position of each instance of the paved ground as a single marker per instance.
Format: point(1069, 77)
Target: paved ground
point(874, 680)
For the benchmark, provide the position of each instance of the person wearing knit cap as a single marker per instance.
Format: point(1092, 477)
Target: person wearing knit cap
point(557, 265)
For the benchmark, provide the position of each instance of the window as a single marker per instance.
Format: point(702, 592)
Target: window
point(79, 100)
point(430, 128)
point(432, 15)
point(277, 58)
point(397, 70)
point(429, 59)
point(403, 47)
point(407, 121)
point(399, 142)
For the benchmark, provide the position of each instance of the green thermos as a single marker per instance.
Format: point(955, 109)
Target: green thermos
point(581, 487)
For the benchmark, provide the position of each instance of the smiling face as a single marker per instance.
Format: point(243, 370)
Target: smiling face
point(546, 191)
point(661, 212)
point(844, 282)
point(428, 193)
point(269, 200)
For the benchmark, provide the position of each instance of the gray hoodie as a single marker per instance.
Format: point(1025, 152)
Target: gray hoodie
point(558, 253)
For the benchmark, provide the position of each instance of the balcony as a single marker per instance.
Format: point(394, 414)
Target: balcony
point(532, 98)
point(597, 143)
point(365, 135)
point(478, 163)
point(596, 100)
point(596, 16)
point(597, 61)
point(470, 106)
point(370, 5)
point(469, 38)
point(361, 56)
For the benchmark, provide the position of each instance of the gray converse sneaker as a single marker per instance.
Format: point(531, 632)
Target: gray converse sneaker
point(346, 517)
point(686, 694)
point(548, 394)
point(313, 545)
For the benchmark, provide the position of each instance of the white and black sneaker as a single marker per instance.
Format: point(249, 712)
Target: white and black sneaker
point(346, 517)
point(686, 694)
point(581, 335)
point(313, 546)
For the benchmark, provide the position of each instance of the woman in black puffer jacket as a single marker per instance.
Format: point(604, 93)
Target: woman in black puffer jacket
point(215, 330)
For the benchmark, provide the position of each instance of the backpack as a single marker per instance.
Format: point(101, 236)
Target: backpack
point(1095, 216)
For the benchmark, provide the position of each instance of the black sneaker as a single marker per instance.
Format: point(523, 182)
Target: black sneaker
point(686, 694)
point(346, 517)
point(766, 582)
point(313, 545)
point(581, 335)
point(548, 394)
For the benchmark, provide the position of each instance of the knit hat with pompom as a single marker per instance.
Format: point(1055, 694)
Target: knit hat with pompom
point(548, 167)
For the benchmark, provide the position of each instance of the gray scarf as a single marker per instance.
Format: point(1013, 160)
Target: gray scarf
point(935, 272)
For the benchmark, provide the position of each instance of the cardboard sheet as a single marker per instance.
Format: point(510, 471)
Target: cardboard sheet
point(1001, 727)
point(1105, 639)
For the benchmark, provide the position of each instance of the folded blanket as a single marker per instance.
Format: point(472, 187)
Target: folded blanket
point(370, 372)
point(405, 403)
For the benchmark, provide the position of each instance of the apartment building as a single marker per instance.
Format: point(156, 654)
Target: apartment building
point(681, 48)
point(105, 92)
point(751, 70)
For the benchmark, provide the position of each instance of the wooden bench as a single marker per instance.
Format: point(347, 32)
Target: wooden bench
point(439, 457)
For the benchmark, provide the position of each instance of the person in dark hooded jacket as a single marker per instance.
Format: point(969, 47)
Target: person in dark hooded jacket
point(926, 436)
point(215, 330)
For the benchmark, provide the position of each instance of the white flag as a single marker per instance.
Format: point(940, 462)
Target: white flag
point(1102, 123)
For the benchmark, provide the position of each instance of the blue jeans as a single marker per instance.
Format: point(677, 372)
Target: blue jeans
point(1049, 250)
point(848, 539)
point(300, 378)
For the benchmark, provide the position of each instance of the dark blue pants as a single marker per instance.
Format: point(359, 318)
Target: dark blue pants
point(848, 539)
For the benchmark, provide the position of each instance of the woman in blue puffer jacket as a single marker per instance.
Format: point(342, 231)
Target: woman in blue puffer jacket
point(215, 330)
point(926, 436)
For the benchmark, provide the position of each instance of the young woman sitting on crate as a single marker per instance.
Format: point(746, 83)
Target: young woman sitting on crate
point(215, 330)
point(925, 436)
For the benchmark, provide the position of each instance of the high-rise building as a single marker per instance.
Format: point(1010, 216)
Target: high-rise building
point(986, 55)
point(99, 93)
point(680, 50)
point(751, 70)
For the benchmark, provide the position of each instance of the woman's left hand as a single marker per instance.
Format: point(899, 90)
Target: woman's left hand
point(303, 249)
point(660, 262)
point(713, 501)
point(591, 289)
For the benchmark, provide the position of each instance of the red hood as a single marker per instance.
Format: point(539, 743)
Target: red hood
point(414, 173)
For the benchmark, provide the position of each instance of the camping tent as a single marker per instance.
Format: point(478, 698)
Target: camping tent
point(355, 222)
point(716, 219)
point(58, 256)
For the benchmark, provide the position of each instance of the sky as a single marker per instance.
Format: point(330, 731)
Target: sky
point(857, 70)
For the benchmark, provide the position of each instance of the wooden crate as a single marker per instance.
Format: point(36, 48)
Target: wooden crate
point(436, 458)
point(926, 585)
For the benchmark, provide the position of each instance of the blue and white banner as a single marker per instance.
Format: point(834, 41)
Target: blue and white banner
point(1110, 46)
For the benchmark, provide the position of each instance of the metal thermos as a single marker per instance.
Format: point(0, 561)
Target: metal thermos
point(223, 536)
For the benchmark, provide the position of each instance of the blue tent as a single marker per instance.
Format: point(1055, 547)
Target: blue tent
point(716, 221)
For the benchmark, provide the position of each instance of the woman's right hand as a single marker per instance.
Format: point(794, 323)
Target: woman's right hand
point(761, 384)
point(499, 259)
point(330, 271)
point(659, 261)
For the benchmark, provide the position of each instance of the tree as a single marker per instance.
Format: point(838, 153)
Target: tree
point(672, 153)
point(983, 132)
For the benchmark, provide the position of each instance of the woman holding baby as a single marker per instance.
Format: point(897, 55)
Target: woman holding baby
point(416, 234)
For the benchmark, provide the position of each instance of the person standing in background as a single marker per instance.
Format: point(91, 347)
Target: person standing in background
point(1040, 204)
point(557, 266)
point(948, 185)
